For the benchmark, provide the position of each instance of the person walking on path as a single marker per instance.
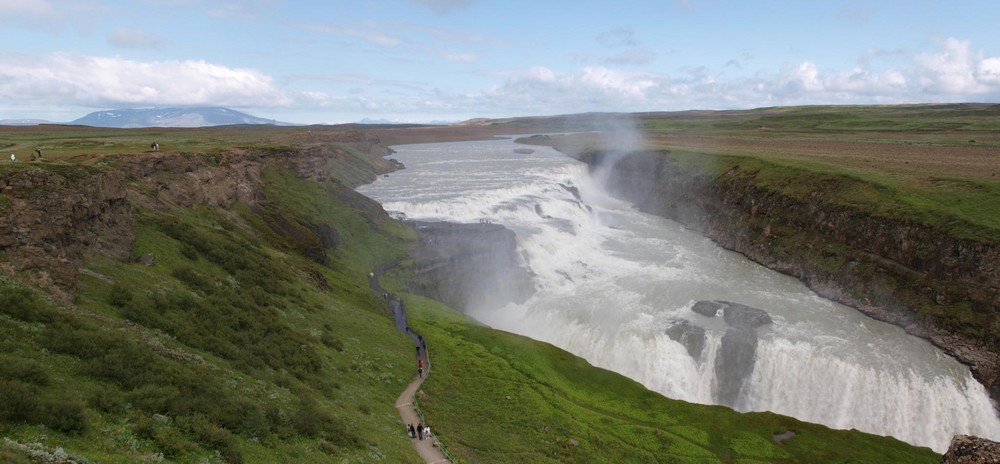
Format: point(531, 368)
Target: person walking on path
point(428, 448)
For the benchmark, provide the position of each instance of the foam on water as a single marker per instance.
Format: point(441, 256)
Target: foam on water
point(611, 280)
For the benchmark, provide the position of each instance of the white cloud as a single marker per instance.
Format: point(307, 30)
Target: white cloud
point(988, 72)
point(65, 79)
point(950, 71)
point(31, 7)
point(444, 6)
point(134, 38)
point(368, 32)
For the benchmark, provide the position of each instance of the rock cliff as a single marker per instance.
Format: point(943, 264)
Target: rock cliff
point(900, 271)
point(53, 216)
point(469, 265)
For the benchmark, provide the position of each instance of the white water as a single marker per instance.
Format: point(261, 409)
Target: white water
point(610, 280)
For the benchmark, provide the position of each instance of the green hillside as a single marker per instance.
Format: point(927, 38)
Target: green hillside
point(250, 337)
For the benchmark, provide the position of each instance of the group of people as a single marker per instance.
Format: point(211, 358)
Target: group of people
point(420, 432)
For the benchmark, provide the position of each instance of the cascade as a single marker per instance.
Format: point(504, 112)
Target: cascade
point(619, 288)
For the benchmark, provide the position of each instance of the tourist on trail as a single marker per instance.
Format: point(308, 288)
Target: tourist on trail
point(418, 351)
point(420, 363)
point(427, 432)
point(420, 431)
point(420, 372)
point(410, 432)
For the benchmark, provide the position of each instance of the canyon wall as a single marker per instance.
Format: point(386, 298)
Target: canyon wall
point(936, 286)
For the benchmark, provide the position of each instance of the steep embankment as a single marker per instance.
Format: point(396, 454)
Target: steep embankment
point(850, 240)
point(198, 308)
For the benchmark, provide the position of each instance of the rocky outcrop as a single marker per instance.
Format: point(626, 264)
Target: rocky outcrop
point(469, 265)
point(738, 350)
point(690, 336)
point(51, 218)
point(736, 315)
point(905, 272)
point(736, 358)
point(971, 450)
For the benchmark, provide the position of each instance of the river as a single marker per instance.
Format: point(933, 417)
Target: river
point(612, 281)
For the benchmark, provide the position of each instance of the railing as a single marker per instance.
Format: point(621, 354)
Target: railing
point(423, 420)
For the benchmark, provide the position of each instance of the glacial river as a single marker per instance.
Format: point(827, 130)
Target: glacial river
point(611, 281)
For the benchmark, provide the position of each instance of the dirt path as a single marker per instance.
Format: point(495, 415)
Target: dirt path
point(426, 447)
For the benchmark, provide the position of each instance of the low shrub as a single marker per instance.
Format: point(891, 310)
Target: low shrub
point(17, 401)
point(64, 414)
point(119, 296)
point(25, 370)
point(25, 305)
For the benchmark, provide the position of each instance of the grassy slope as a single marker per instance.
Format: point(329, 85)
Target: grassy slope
point(496, 397)
point(188, 384)
point(238, 351)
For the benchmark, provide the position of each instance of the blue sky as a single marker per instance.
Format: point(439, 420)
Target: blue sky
point(423, 60)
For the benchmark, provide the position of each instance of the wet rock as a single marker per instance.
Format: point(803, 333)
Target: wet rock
point(734, 363)
point(689, 335)
point(745, 317)
point(708, 308)
point(469, 265)
point(736, 315)
point(965, 449)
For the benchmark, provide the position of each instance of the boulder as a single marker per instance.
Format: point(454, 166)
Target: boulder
point(745, 317)
point(689, 335)
point(965, 449)
point(708, 308)
point(736, 315)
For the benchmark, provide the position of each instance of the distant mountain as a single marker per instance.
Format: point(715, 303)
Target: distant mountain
point(23, 122)
point(171, 117)
point(382, 121)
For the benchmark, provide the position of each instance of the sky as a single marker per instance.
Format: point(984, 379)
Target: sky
point(334, 61)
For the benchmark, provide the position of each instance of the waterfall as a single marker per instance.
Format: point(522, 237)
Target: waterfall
point(617, 287)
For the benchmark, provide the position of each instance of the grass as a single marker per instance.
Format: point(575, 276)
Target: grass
point(227, 346)
point(497, 397)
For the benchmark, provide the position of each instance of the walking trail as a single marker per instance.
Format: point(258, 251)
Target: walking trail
point(427, 448)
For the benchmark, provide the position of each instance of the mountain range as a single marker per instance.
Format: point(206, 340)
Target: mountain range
point(171, 117)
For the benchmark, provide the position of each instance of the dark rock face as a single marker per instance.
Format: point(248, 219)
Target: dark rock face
point(691, 336)
point(470, 265)
point(736, 315)
point(708, 308)
point(965, 449)
point(51, 217)
point(738, 351)
point(734, 364)
point(744, 317)
point(50, 220)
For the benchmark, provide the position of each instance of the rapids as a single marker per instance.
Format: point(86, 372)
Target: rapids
point(611, 281)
